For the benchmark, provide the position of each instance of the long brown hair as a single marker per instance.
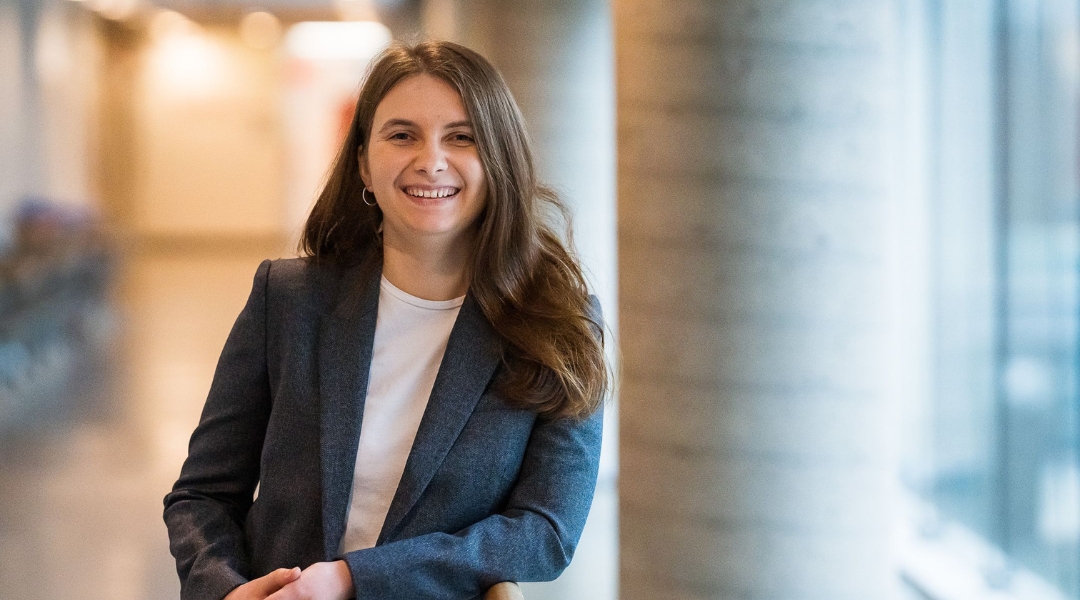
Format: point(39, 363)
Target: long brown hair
point(530, 288)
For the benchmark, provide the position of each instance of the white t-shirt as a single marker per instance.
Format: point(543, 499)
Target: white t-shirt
point(410, 339)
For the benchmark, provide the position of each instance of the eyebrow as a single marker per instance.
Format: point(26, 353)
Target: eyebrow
point(408, 123)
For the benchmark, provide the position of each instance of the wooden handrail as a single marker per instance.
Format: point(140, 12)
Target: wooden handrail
point(506, 590)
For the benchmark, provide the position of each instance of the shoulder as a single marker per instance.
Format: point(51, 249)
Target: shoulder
point(300, 281)
point(595, 314)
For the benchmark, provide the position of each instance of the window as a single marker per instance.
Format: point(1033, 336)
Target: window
point(994, 85)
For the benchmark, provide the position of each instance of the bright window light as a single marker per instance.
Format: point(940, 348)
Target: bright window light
point(358, 40)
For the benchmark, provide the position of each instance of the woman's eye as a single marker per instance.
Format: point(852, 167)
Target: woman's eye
point(401, 135)
point(463, 138)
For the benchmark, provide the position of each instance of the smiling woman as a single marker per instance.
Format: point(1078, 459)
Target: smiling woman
point(424, 171)
point(419, 399)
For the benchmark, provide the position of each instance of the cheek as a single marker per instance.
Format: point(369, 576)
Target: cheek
point(478, 179)
point(483, 192)
point(381, 168)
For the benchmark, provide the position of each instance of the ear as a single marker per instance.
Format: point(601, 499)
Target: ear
point(362, 162)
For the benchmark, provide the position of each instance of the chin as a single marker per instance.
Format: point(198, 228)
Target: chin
point(434, 228)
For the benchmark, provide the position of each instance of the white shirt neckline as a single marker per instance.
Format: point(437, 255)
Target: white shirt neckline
point(420, 302)
point(411, 335)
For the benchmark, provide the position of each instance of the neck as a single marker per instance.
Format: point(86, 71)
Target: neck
point(426, 268)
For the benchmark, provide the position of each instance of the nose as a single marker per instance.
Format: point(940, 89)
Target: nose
point(431, 159)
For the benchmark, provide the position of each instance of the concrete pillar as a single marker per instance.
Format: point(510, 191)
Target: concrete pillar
point(49, 66)
point(20, 115)
point(30, 13)
point(11, 102)
point(557, 58)
point(755, 145)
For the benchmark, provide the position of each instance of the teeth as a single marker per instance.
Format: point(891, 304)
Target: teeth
point(437, 193)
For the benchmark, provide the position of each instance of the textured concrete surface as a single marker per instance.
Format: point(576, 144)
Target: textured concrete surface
point(755, 148)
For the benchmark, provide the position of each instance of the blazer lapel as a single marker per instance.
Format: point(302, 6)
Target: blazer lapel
point(472, 354)
point(346, 339)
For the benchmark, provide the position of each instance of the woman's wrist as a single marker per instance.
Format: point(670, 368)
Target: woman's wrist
point(344, 577)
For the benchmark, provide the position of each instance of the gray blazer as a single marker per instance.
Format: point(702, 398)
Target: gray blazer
point(490, 493)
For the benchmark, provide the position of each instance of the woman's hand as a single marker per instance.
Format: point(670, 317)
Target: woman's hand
point(320, 581)
point(262, 587)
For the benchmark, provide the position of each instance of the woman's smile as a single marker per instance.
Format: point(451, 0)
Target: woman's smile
point(422, 165)
point(422, 192)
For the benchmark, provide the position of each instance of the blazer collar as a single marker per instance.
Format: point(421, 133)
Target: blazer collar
point(346, 339)
point(471, 357)
point(473, 352)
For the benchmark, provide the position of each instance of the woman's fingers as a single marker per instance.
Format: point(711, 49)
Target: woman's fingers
point(320, 581)
point(277, 580)
point(271, 582)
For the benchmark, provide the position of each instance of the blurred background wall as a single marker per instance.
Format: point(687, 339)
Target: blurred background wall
point(835, 241)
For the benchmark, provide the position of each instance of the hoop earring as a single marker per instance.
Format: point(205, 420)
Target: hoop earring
point(363, 196)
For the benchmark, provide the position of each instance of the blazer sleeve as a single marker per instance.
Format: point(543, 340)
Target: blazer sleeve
point(533, 539)
point(206, 509)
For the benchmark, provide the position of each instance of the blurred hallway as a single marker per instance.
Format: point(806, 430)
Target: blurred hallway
point(80, 500)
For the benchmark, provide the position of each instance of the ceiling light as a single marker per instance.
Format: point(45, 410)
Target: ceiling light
point(355, 40)
point(169, 22)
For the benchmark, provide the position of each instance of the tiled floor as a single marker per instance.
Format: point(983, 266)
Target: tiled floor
point(80, 493)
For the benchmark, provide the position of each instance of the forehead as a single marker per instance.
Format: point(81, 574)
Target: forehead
point(423, 99)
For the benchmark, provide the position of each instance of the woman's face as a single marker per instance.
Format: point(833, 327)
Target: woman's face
point(422, 165)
